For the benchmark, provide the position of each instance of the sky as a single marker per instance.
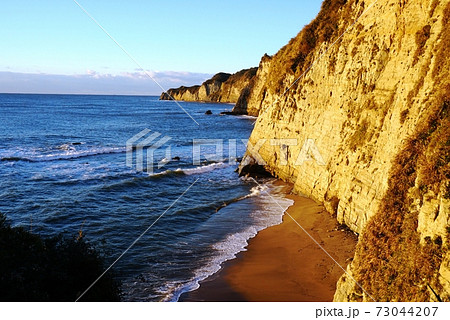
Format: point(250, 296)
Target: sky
point(52, 46)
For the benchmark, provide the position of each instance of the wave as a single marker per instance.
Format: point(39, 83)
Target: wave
point(206, 168)
point(137, 177)
point(191, 171)
point(268, 215)
point(256, 191)
point(13, 159)
point(88, 177)
point(244, 116)
point(70, 152)
point(253, 192)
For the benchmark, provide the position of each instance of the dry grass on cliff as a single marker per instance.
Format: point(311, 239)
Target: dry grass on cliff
point(296, 56)
point(218, 77)
point(390, 261)
point(435, 164)
point(392, 264)
point(244, 74)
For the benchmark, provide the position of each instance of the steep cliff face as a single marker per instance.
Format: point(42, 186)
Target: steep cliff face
point(252, 95)
point(359, 122)
point(222, 87)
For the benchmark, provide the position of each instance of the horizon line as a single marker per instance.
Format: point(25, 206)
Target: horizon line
point(81, 94)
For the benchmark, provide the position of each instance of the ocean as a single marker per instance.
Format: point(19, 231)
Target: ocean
point(64, 169)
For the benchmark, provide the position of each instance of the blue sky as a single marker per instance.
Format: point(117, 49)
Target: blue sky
point(52, 42)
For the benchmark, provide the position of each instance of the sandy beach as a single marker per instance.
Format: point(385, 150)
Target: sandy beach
point(282, 263)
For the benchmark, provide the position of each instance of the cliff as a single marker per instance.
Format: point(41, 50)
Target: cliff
point(253, 94)
point(222, 87)
point(354, 112)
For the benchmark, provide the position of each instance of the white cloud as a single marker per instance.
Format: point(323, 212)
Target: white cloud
point(93, 82)
point(173, 77)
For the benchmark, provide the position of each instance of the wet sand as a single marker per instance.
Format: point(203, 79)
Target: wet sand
point(282, 263)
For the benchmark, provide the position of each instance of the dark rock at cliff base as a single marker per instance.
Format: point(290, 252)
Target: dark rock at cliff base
point(250, 167)
point(208, 112)
point(231, 113)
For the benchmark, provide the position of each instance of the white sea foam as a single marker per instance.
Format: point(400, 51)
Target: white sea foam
point(62, 152)
point(256, 191)
point(71, 154)
point(247, 117)
point(190, 171)
point(207, 168)
point(270, 213)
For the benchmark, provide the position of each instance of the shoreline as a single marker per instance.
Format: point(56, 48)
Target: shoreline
point(282, 263)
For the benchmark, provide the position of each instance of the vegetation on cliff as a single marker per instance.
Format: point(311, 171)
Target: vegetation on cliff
point(34, 268)
point(295, 57)
point(394, 261)
point(375, 103)
point(292, 60)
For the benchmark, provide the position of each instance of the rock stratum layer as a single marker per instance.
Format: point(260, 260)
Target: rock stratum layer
point(354, 111)
point(222, 87)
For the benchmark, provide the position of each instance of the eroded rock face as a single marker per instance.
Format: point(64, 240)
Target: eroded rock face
point(222, 87)
point(251, 96)
point(359, 98)
point(250, 167)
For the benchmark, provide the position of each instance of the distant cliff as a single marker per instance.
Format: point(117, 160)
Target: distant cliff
point(372, 97)
point(222, 87)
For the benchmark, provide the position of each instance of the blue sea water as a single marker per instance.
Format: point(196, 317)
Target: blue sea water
point(63, 169)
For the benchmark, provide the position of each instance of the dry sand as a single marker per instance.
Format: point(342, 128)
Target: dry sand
point(282, 263)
